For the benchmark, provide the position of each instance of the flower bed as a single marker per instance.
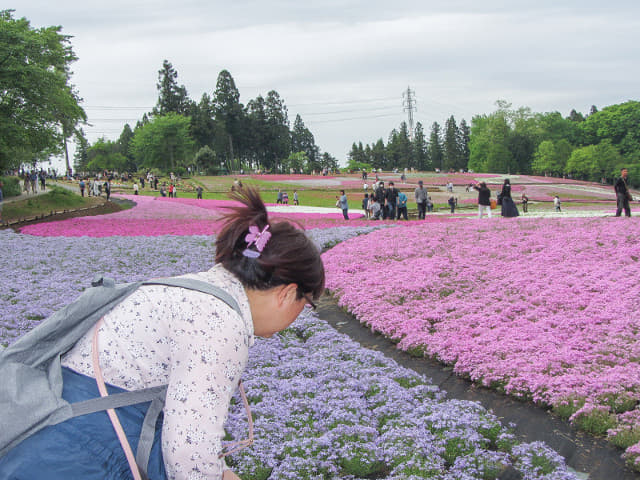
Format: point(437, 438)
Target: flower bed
point(156, 216)
point(323, 406)
point(541, 309)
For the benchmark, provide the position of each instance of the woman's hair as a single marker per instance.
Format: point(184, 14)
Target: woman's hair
point(507, 181)
point(289, 256)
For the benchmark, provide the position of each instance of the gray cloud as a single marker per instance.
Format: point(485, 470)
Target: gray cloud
point(459, 56)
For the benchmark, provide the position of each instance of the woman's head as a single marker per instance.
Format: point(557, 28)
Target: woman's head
point(287, 257)
point(507, 182)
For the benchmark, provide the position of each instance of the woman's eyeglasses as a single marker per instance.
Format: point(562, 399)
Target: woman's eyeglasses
point(309, 301)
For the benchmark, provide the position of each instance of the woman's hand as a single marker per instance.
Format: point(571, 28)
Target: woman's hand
point(229, 475)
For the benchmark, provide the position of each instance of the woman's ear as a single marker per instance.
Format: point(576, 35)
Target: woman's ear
point(287, 293)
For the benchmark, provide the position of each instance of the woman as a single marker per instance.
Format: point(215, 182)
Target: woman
point(509, 208)
point(191, 341)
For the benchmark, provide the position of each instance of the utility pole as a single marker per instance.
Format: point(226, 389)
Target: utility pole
point(409, 104)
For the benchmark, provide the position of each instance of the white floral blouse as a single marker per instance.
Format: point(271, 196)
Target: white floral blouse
point(193, 342)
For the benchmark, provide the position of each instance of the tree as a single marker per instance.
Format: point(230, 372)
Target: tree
point(172, 98)
point(452, 155)
point(378, 155)
point(329, 162)
point(163, 143)
point(104, 155)
point(81, 157)
point(420, 154)
point(463, 143)
point(229, 116)
point(302, 140)
point(123, 146)
point(205, 159)
point(278, 138)
point(595, 162)
point(489, 142)
point(39, 108)
point(399, 151)
point(202, 122)
point(257, 131)
point(545, 160)
point(436, 154)
point(296, 162)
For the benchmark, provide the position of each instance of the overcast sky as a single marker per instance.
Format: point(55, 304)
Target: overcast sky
point(344, 65)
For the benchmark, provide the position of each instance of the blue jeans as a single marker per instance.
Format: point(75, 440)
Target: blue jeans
point(83, 447)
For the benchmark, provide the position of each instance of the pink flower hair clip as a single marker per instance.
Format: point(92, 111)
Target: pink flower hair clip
point(257, 238)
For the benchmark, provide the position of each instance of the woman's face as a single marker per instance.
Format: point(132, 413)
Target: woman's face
point(280, 309)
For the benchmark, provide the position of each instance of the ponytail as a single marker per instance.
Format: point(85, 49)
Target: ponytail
point(288, 256)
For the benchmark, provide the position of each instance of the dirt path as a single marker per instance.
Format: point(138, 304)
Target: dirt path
point(583, 452)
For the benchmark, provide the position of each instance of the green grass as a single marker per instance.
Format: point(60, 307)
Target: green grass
point(58, 199)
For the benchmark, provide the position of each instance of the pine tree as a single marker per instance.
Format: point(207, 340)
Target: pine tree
point(435, 147)
point(172, 98)
point(451, 147)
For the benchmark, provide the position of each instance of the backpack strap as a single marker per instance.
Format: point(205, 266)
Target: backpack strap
point(154, 394)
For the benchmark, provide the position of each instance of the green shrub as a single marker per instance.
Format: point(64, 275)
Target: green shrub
point(10, 186)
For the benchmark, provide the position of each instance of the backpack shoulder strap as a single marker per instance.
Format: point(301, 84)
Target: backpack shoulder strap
point(145, 395)
point(156, 395)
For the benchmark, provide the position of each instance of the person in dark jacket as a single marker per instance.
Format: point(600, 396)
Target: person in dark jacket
point(380, 196)
point(452, 203)
point(622, 194)
point(391, 201)
point(509, 208)
point(484, 199)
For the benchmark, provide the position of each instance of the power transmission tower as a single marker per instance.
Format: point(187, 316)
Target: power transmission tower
point(409, 104)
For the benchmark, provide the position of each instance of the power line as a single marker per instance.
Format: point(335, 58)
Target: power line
point(353, 118)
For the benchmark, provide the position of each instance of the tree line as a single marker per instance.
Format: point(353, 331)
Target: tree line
point(40, 111)
point(218, 134)
point(445, 150)
point(518, 141)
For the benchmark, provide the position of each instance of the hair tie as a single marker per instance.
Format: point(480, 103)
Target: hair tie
point(257, 238)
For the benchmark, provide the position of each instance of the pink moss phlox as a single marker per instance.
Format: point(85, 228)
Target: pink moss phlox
point(542, 308)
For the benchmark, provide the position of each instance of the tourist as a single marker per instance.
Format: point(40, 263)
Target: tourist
point(365, 205)
point(374, 208)
point(391, 201)
point(296, 200)
point(484, 199)
point(525, 203)
point(82, 186)
point(402, 206)
point(420, 195)
point(380, 196)
point(623, 196)
point(508, 206)
point(279, 197)
point(452, 203)
point(429, 204)
point(199, 192)
point(344, 205)
point(107, 189)
point(135, 188)
point(194, 343)
point(556, 203)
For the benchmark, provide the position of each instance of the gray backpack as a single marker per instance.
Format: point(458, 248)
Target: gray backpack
point(31, 372)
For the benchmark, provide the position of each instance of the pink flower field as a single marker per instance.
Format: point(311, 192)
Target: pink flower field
point(543, 309)
point(155, 216)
